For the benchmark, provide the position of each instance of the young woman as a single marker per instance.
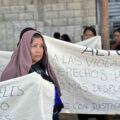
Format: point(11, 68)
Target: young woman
point(89, 32)
point(116, 46)
point(31, 56)
point(65, 37)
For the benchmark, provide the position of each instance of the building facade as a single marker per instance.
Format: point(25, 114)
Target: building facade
point(47, 16)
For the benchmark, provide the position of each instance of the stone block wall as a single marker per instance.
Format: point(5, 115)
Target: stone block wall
point(69, 16)
point(48, 16)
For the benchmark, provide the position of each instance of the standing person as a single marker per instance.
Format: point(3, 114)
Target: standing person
point(23, 31)
point(89, 32)
point(31, 56)
point(65, 37)
point(56, 35)
point(116, 46)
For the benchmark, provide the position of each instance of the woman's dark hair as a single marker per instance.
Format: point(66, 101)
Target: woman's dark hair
point(56, 35)
point(36, 35)
point(116, 30)
point(66, 38)
point(23, 31)
point(92, 29)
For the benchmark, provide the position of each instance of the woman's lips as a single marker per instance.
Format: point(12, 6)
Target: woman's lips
point(37, 56)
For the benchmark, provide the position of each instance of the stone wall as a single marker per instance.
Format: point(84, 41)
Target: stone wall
point(48, 16)
point(69, 16)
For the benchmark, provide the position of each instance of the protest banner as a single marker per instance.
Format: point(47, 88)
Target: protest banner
point(89, 78)
point(94, 42)
point(26, 98)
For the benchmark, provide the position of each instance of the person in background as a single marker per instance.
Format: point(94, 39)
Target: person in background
point(23, 31)
point(65, 37)
point(56, 35)
point(89, 32)
point(31, 56)
point(116, 46)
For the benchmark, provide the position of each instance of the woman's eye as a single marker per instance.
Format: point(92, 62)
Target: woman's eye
point(41, 46)
point(34, 46)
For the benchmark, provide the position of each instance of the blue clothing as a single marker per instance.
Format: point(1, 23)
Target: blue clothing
point(58, 103)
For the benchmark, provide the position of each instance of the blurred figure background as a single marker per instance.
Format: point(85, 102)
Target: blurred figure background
point(89, 32)
point(65, 37)
point(116, 35)
point(56, 35)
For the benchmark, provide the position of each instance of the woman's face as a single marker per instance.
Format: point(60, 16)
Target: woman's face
point(117, 37)
point(36, 50)
point(88, 34)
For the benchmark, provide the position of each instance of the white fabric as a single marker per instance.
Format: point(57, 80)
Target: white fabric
point(94, 42)
point(26, 98)
point(89, 78)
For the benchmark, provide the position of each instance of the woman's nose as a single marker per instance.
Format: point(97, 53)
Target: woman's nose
point(38, 49)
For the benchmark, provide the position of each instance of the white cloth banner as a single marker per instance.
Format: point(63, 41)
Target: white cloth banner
point(26, 98)
point(89, 78)
point(94, 42)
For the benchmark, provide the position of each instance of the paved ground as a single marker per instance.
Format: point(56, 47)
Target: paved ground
point(74, 117)
point(70, 117)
